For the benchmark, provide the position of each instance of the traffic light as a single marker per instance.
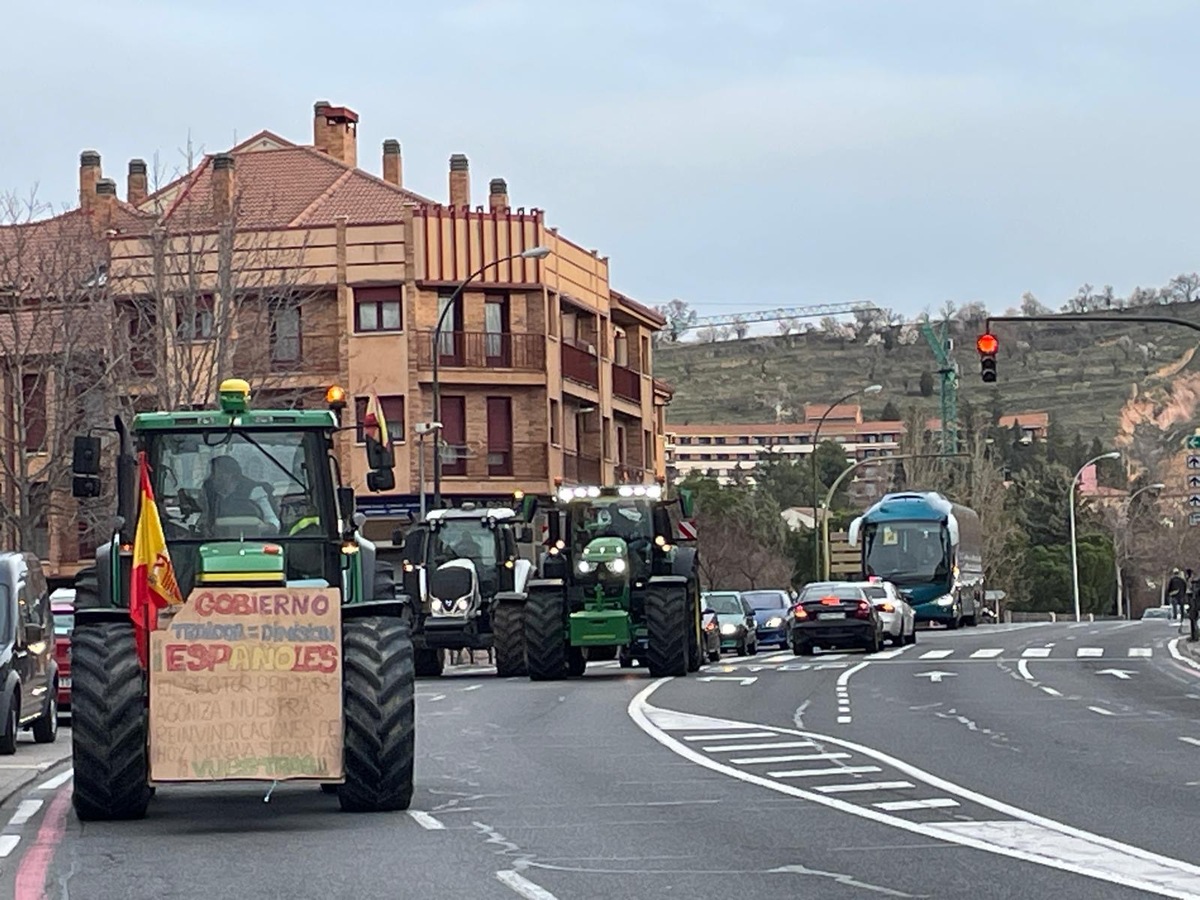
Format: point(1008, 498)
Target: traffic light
point(987, 345)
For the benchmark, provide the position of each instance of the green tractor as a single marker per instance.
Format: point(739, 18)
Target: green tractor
point(255, 517)
point(614, 581)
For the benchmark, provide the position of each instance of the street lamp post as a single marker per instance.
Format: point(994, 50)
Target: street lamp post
point(1123, 523)
point(422, 429)
point(869, 389)
point(531, 253)
point(1074, 550)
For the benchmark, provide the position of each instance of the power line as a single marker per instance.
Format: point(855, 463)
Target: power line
point(778, 315)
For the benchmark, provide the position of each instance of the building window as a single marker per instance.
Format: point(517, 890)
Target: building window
point(622, 455)
point(454, 435)
point(453, 324)
point(621, 348)
point(194, 318)
point(499, 436)
point(285, 334)
point(555, 424)
point(495, 326)
point(393, 414)
point(377, 309)
point(33, 407)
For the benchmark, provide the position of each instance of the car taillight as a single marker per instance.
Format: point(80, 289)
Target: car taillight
point(799, 612)
point(863, 610)
point(887, 607)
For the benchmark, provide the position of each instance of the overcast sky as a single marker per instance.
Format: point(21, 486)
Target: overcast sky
point(740, 155)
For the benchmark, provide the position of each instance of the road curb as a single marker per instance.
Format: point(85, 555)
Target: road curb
point(23, 781)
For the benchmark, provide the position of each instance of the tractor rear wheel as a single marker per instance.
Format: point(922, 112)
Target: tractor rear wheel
point(379, 678)
point(429, 662)
point(108, 723)
point(695, 649)
point(87, 589)
point(667, 629)
point(508, 639)
point(545, 638)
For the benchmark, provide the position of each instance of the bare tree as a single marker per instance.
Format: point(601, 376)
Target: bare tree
point(740, 327)
point(680, 317)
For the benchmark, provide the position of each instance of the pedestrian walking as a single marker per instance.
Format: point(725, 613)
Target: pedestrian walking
point(1176, 589)
point(1193, 610)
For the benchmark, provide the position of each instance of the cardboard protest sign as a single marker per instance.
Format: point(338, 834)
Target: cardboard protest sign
point(247, 684)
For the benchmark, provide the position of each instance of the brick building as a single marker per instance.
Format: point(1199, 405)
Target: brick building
point(289, 265)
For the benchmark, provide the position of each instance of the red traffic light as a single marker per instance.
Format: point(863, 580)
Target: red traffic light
point(987, 344)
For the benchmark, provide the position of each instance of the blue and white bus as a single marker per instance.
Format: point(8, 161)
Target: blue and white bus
point(931, 549)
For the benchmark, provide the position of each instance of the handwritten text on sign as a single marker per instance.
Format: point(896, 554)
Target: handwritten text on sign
point(248, 684)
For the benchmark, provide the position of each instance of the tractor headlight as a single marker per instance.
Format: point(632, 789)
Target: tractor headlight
point(774, 622)
point(616, 565)
point(728, 628)
point(585, 567)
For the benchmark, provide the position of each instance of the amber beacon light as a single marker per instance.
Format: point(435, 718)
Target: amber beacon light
point(987, 345)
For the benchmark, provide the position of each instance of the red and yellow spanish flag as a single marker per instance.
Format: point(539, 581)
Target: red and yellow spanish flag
point(153, 585)
point(374, 423)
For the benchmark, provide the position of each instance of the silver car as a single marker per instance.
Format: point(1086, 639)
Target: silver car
point(899, 619)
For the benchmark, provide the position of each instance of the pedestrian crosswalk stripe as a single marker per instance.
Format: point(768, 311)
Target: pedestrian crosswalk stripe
point(1139, 651)
point(782, 745)
point(905, 805)
point(864, 786)
point(799, 757)
point(989, 653)
point(936, 654)
point(836, 770)
point(737, 736)
point(1090, 651)
point(1038, 652)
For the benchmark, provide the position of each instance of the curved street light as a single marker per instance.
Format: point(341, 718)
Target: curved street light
point(531, 253)
point(869, 389)
point(1074, 550)
point(1122, 523)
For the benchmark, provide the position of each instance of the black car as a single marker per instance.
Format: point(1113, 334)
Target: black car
point(833, 615)
point(28, 670)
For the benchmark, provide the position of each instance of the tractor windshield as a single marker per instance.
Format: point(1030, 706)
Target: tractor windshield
point(465, 539)
point(620, 517)
point(238, 485)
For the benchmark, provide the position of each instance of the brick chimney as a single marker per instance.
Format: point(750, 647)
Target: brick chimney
point(222, 187)
point(135, 190)
point(89, 174)
point(393, 169)
point(498, 195)
point(105, 207)
point(460, 180)
point(335, 131)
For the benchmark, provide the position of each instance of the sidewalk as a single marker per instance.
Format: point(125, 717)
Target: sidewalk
point(31, 760)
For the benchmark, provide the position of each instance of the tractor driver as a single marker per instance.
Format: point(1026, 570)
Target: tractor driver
point(230, 493)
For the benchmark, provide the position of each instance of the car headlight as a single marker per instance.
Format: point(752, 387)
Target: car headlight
point(585, 567)
point(774, 622)
point(616, 565)
point(728, 628)
point(947, 600)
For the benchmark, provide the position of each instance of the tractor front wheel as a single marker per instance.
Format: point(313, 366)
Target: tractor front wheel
point(545, 636)
point(379, 678)
point(508, 639)
point(108, 723)
point(667, 628)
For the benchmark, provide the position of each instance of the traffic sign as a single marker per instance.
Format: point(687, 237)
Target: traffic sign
point(1193, 442)
point(1193, 461)
point(1194, 518)
point(1194, 481)
point(1194, 501)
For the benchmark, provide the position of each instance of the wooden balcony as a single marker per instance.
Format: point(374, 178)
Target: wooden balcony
point(484, 350)
point(627, 383)
point(580, 365)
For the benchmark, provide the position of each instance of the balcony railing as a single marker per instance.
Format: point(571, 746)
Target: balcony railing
point(521, 461)
point(580, 469)
point(628, 474)
point(627, 383)
point(484, 350)
point(580, 365)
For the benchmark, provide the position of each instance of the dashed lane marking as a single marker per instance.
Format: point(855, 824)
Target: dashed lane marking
point(56, 782)
point(1084, 652)
point(425, 820)
point(987, 653)
point(936, 654)
point(523, 886)
point(1100, 711)
point(1191, 740)
point(1140, 651)
point(8, 843)
point(26, 810)
point(1036, 652)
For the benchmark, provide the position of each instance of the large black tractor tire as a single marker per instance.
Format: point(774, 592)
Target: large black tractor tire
point(380, 728)
point(108, 723)
point(508, 639)
point(87, 589)
point(545, 638)
point(429, 662)
point(695, 645)
point(667, 628)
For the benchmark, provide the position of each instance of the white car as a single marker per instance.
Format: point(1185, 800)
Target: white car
point(899, 619)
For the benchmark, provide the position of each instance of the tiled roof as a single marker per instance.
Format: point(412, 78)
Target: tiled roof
point(1027, 420)
point(814, 411)
point(287, 186)
point(57, 255)
point(773, 429)
point(638, 309)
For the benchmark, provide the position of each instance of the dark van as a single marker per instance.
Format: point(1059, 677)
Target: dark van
point(28, 671)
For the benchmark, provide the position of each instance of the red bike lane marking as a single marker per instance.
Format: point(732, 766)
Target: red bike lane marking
point(35, 864)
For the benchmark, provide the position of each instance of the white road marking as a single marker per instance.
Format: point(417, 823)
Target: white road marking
point(1035, 839)
point(1191, 740)
point(816, 773)
point(742, 682)
point(905, 805)
point(936, 654)
point(1051, 691)
point(473, 687)
point(1100, 711)
point(1089, 651)
point(8, 843)
point(56, 781)
point(799, 757)
point(1122, 674)
point(830, 657)
point(733, 748)
point(26, 810)
point(729, 737)
point(934, 677)
point(888, 654)
point(989, 653)
point(523, 885)
point(843, 720)
point(779, 657)
point(845, 676)
point(436, 697)
point(865, 786)
point(1023, 668)
point(425, 820)
point(1140, 651)
point(1173, 647)
point(1036, 652)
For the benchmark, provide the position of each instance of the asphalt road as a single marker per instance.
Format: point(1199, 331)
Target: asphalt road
point(1002, 761)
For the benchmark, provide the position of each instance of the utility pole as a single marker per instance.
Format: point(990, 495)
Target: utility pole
point(940, 345)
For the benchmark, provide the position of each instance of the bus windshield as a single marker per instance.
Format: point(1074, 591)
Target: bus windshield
point(907, 552)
